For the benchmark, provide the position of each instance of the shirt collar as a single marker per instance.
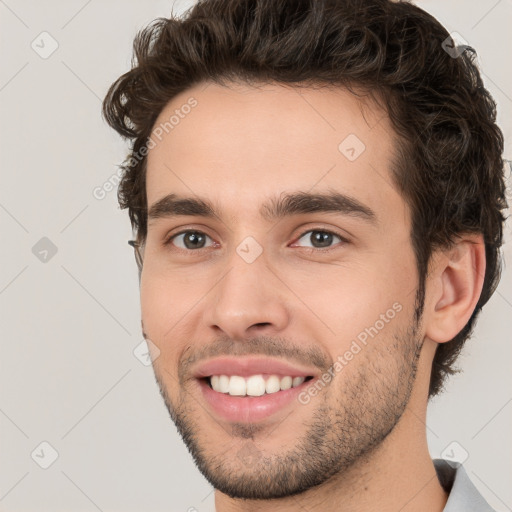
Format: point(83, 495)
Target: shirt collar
point(463, 495)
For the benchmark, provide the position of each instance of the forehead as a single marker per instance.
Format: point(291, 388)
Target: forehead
point(240, 144)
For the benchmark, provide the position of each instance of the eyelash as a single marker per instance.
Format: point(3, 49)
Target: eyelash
point(168, 241)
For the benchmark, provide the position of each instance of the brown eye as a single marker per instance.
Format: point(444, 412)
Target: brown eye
point(188, 240)
point(320, 239)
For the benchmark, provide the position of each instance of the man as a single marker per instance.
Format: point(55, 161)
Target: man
point(317, 193)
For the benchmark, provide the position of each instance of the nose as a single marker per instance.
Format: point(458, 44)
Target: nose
point(248, 300)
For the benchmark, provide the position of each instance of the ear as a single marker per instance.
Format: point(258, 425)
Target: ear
point(455, 283)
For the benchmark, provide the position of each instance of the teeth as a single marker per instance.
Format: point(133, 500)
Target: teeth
point(273, 384)
point(286, 383)
point(237, 386)
point(255, 385)
point(297, 381)
point(223, 384)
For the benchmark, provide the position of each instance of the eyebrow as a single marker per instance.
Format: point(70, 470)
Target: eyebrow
point(287, 204)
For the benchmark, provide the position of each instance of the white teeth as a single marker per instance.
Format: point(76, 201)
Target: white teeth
point(286, 383)
point(237, 386)
point(297, 381)
point(273, 385)
point(255, 385)
point(223, 384)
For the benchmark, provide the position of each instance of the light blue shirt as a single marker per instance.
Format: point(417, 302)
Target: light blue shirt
point(463, 495)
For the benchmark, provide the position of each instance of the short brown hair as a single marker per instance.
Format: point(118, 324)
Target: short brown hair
point(450, 170)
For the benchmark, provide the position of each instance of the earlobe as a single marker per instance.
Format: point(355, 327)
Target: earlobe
point(457, 284)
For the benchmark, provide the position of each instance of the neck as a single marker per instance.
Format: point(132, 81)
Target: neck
point(398, 475)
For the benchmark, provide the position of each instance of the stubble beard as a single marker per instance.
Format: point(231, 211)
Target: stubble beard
point(368, 406)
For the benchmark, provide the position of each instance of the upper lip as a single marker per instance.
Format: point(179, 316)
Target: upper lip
point(247, 366)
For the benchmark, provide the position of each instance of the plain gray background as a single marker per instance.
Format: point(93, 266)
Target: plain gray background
point(70, 321)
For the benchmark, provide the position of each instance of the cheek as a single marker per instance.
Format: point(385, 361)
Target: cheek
point(156, 303)
point(349, 298)
point(165, 296)
point(346, 293)
point(164, 305)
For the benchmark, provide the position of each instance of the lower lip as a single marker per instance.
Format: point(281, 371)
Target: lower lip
point(249, 409)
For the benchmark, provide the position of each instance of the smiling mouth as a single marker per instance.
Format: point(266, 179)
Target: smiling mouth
point(254, 385)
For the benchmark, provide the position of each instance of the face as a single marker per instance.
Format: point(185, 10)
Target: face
point(279, 283)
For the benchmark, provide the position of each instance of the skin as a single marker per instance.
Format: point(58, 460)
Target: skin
point(360, 443)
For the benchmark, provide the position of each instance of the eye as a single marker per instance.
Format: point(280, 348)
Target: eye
point(188, 240)
point(195, 240)
point(320, 239)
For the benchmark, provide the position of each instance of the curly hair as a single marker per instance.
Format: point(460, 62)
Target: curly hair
point(449, 169)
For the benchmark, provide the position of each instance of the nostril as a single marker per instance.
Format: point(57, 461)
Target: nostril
point(262, 324)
